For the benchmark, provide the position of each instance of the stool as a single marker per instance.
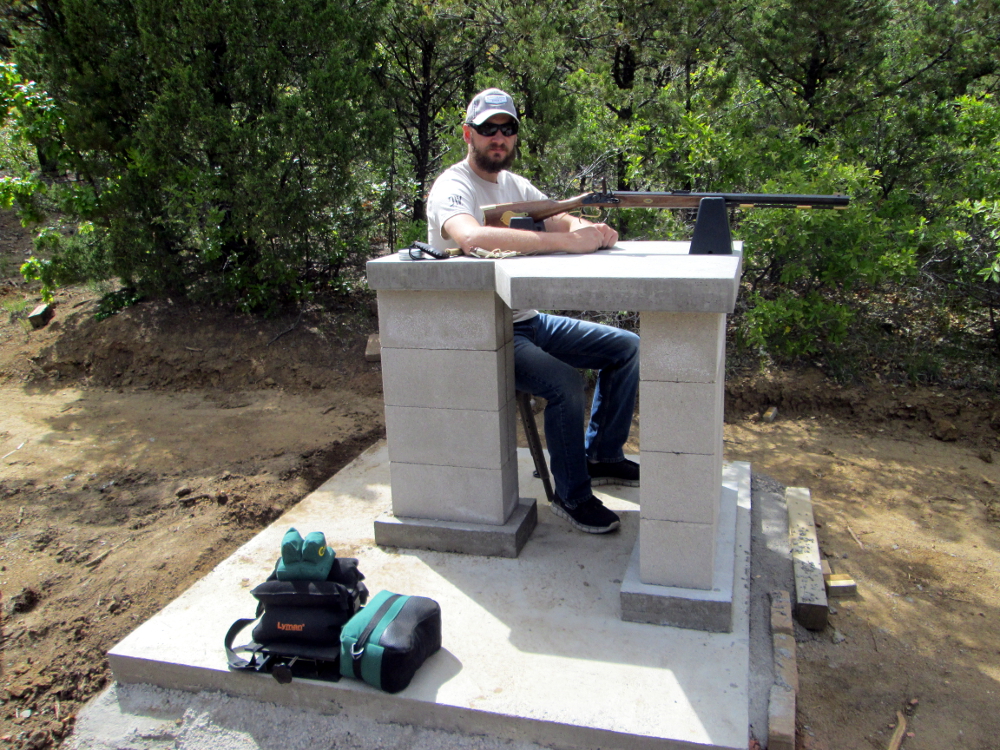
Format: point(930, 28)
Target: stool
point(534, 442)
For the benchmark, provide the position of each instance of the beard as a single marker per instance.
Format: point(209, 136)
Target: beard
point(491, 164)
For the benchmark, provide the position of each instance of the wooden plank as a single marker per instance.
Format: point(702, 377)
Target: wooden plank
point(811, 606)
point(825, 565)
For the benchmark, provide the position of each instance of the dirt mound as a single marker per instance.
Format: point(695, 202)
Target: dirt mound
point(970, 417)
point(178, 345)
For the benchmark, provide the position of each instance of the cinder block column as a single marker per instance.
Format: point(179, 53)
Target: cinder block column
point(448, 378)
point(682, 378)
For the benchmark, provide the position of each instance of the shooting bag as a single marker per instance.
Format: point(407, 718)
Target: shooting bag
point(386, 642)
point(298, 632)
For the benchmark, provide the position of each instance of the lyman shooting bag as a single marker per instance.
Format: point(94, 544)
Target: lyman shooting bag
point(299, 620)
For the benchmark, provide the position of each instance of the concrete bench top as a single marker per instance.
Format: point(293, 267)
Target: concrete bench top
point(655, 276)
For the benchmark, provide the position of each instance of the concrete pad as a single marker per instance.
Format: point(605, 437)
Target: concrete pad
point(462, 538)
point(534, 648)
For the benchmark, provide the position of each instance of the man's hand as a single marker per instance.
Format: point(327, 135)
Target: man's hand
point(609, 234)
point(574, 224)
point(588, 239)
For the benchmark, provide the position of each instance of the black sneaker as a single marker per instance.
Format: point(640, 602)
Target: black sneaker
point(590, 515)
point(624, 473)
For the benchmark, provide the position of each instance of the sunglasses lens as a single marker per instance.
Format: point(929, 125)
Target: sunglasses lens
point(489, 129)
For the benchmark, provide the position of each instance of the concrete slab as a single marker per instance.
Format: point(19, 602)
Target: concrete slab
point(396, 272)
point(710, 609)
point(653, 276)
point(534, 647)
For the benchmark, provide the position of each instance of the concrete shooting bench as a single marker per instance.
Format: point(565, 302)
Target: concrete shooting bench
point(448, 374)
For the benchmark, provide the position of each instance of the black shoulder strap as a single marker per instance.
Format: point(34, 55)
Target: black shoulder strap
point(358, 649)
point(235, 662)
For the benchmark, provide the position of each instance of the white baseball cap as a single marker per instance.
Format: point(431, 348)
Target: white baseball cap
point(487, 103)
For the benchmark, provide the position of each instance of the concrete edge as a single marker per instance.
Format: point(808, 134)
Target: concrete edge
point(361, 700)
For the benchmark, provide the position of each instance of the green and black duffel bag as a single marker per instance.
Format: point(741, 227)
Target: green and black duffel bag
point(386, 642)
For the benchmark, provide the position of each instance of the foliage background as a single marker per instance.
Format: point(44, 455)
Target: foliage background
point(255, 154)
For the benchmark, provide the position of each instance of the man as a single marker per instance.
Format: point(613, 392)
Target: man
point(548, 349)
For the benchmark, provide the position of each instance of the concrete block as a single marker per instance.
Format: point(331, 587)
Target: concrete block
point(448, 378)
point(450, 493)
point(676, 554)
point(840, 584)
point(443, 320)
point(450, 437)
point(680, 487)
point(786, 671)
point(681, 417)
point(682, 347)
point(455, 274)
point(811, 606)
point(373, 349)
point(781, 613)
point(464, 538)
point(781, 719)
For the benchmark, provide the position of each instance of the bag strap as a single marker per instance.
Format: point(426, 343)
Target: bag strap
point(358, 648)
point(235, 662)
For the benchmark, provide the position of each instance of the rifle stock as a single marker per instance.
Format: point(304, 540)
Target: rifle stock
point(500, 214)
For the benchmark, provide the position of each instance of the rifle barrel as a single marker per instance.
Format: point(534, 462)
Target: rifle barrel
point(543, 209)
point(685, 199)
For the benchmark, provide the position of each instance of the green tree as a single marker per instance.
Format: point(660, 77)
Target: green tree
point(431, 51)
point(221, 138)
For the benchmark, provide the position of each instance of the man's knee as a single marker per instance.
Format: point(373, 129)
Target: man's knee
point(555, 383)
point(628, 344)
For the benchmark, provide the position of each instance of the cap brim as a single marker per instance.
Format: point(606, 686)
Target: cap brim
point(484, 116)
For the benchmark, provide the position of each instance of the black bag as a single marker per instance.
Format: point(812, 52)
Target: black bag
point(300, 622)
point(386, 642)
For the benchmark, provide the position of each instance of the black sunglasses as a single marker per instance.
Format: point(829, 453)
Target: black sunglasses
point(489, 129)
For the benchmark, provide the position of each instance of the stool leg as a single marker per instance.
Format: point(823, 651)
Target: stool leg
point(534, 442)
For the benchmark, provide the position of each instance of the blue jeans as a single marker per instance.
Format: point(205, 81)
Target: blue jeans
point(548, 350)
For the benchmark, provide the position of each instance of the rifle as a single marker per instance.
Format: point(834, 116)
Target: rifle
point(711, 232)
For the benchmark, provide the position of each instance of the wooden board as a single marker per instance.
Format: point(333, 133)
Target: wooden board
point(811, 606)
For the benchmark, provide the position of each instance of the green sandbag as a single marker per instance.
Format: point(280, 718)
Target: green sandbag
point(308, 559)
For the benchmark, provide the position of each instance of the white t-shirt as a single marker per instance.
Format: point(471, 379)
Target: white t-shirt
point(459, 190)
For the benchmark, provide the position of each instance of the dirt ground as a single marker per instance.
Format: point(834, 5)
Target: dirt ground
point(138, 452)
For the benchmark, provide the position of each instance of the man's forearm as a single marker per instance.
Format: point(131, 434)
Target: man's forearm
point(522, 242)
